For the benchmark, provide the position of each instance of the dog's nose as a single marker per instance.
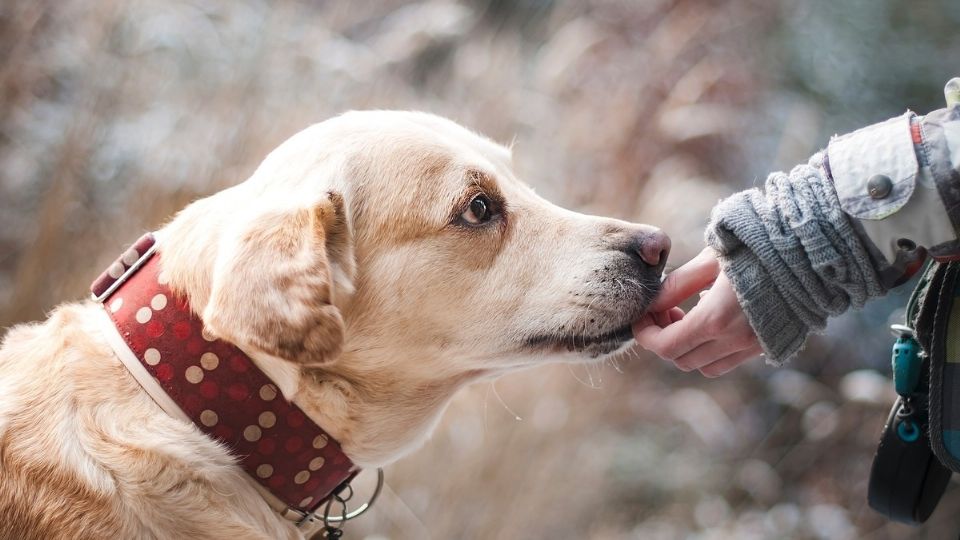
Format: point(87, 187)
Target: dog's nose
point(648, 246)
point(654, 247)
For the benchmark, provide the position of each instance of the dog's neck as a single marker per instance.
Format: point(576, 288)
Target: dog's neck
point(377, 412)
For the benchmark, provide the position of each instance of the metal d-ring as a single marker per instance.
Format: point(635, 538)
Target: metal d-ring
point(347, 516)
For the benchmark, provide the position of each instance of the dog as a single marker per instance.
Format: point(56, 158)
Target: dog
point(371, 266)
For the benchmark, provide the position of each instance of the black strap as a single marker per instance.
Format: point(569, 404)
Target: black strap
point(906, 478)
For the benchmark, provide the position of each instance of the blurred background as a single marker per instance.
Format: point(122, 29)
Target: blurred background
point(115, 114)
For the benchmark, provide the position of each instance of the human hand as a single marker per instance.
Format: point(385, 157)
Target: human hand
point(714, 337)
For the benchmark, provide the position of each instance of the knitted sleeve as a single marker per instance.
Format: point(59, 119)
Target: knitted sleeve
point(793, 257)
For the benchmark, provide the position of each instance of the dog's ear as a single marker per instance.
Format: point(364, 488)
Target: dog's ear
point(275, 279)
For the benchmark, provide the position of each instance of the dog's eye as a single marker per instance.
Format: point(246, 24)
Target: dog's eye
point(479, 212)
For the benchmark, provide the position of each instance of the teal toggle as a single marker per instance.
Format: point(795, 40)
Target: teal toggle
point(906, 365)
point(908, 431)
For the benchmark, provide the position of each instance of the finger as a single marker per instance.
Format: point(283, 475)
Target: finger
point(645, 321)
point(673, 341)
point(662, 318)
point(708, 353)
point(685, 281)
point(729, 363)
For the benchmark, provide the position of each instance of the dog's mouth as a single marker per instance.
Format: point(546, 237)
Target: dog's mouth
point(605, 328)
point(593, 345)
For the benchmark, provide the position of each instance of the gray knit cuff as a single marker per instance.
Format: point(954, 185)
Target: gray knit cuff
point(780, 334)
point(792, 256)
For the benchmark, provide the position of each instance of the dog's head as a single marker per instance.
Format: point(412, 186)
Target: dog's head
point(403, 244)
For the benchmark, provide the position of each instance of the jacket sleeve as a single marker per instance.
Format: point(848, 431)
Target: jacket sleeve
point(793, 257)
point(853, 222)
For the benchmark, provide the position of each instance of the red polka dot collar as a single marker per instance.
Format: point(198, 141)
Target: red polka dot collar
point(218, 387)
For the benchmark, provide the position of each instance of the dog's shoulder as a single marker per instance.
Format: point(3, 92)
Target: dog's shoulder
point(85, 453)
point(39, 433)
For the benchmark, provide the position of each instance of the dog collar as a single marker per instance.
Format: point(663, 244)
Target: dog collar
point(215, 385)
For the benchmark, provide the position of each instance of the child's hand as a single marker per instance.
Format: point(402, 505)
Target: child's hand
point(714, 337)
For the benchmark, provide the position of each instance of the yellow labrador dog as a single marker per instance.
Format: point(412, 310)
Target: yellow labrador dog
point(373, 265)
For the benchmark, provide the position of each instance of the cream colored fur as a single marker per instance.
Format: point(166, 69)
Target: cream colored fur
point(344, 267)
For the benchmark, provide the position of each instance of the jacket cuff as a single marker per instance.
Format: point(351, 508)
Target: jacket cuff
point(874, 169)
point(781, 333)
point(898, 180)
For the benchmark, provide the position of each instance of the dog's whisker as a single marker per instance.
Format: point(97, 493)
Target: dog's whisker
point(586, 368)
point(502, 402)
point(616, 365)
point(578, 379)
point(486, 401)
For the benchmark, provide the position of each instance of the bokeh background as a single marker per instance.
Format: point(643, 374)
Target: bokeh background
point(114, 114)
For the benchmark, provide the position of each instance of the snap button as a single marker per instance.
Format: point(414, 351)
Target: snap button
point(879, 186)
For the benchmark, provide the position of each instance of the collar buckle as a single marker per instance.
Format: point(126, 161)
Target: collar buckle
point(100, 294)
